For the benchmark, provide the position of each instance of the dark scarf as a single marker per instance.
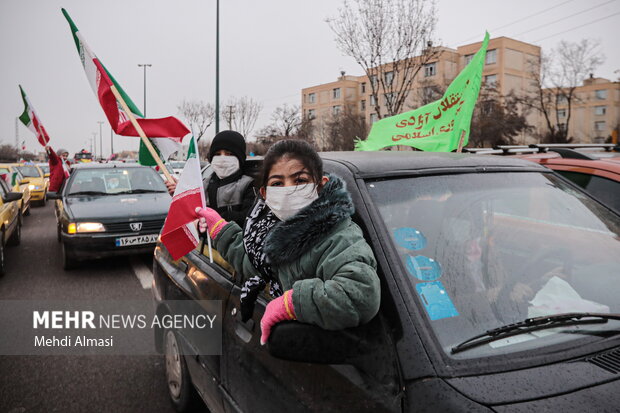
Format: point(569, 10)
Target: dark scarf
point(269, 241)
point(258, 224)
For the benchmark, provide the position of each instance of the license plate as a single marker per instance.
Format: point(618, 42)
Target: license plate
point(136, 240)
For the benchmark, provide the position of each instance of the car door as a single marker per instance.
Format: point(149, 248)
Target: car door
point(207, 277)
point(8, 211)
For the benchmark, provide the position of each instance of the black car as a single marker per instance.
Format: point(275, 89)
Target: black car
point(105, 210)
point(500, 283)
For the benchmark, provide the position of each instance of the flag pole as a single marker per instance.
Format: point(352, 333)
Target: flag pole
point(146, 141)
point(460, 148)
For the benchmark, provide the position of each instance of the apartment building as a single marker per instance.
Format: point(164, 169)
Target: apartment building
point(595, 114)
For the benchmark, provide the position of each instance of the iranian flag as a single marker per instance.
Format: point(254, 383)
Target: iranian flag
point(32, 121)
point(168, 132)
point(179, 234)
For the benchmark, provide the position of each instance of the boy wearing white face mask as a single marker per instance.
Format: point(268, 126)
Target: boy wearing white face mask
point(299, 238)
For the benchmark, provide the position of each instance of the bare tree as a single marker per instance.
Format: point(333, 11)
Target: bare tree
point(199, 115)
point(555, 79)
point(343, 128)
point(244, 114)
point(391, 40)
point(285, 122)
point(8, 153)
point(497, 119)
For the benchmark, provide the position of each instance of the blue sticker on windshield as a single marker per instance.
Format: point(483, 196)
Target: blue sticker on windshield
point(436, 300)
point(410, 238)
point(423, 268)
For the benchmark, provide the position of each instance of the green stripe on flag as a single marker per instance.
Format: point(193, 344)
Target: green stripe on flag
point(144, 155)
point(191, 151)
point(24, 117)
point(74, 30)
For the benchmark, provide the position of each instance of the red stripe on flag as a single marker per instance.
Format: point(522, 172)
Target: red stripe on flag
point(169, 127)
point(182, 211)
point(42, 135)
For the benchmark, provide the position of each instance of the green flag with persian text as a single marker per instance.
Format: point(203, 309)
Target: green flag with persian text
point(436, 127)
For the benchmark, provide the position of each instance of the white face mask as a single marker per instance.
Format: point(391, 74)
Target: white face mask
point(286, 201)
point(224, 166)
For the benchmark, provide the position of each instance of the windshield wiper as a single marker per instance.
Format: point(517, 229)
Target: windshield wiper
point(87, 193)
point(140, 191)
point(533, 324)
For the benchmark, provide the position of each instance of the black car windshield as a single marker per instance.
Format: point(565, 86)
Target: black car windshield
point(29, 171)
point(480, 251)
point(110, 181)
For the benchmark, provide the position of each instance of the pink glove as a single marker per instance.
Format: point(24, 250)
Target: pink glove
point(279, 309)
point(210, 219)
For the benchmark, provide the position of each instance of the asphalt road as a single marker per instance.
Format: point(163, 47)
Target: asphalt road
point(75, 383)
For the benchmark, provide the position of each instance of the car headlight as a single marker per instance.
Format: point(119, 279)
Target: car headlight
point(31, 187)
point(85, 227)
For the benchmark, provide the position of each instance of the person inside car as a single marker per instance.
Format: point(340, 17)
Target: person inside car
point(227, 189)
point(59, 167)
point(299, 238)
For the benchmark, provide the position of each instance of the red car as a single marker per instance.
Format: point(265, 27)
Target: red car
point(595, 168)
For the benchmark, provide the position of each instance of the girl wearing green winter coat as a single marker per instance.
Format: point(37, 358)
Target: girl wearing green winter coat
point(300, 240)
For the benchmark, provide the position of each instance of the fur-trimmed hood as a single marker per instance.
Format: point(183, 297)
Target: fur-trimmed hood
point(289, 239)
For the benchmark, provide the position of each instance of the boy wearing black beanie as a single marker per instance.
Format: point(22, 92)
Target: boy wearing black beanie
point(227, 189)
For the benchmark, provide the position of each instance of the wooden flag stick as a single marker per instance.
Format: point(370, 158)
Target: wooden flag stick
point(460, 148)
point(146, 141)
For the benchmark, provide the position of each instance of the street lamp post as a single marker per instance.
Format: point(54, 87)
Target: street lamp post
point(144, 65)
point(111, 141)
point(100, 139)
point(217, 67)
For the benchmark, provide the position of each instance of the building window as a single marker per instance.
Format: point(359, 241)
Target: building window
point(601, 94)
point(491, 57)
point(599, 125)
point(600, 110)
point(373, 80)
point(373, 101)
point(363, 87)
point(561, 113)
point(490, 80)
point(561, 100)
point(311, 97)
point(373, 118)
point(430, 69)
point(389, 98)
point(468, 58)
point(336, 110)
point(311, 114)
point(363, 105)
point(389, 77)
point(336, 93)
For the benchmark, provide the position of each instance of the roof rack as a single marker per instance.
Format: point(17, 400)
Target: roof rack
point(564, 150)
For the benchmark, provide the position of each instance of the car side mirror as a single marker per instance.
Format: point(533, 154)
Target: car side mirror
point(53, 195)
point(12, 196)
point(307, 343)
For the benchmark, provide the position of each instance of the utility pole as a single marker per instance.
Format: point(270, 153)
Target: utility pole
point(144, 65)
point(17, 133)
point(100, 139)
point(217, 67)
point(111, 141)
point(93, 144)
point(229, 116)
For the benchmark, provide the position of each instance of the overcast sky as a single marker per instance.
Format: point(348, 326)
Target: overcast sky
point(269, 51)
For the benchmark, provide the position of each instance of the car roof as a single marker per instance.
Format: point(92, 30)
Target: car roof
point(389, 163)
point(97, 165)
